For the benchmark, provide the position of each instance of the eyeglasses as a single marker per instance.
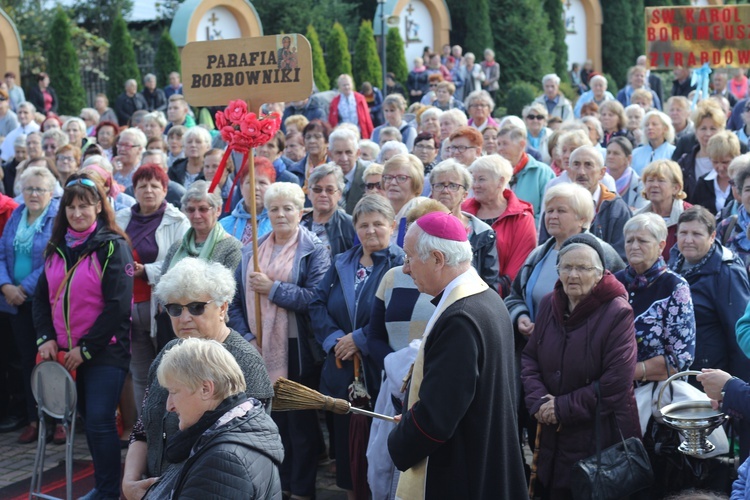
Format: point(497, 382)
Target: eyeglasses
point(400, 179)
point(125, 145)
point(330, 190)
point(535, 117)
point(450, 186)
point(65, 159)
point(201, 210)
point(459, 149)
point(33, 191)
point(371, 186)
point(568, 269)
point(194, 308)
point(424, 147)
point(83, 182)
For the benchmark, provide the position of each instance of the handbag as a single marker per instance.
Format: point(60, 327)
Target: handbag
point(615, 472)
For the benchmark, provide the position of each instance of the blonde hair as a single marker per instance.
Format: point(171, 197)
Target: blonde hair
point(708, 108)
point(299, 121)
point(664, 169)
point(723, 144)
point(410, 163)
point(496, 165)
point(577, 197)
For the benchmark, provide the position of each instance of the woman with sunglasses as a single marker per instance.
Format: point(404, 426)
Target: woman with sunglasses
point(196, 295)
point(330, 223)
point(537, 133)
point(292, 261)
point(82, 306)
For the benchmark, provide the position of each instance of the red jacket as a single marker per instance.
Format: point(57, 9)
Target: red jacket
point(515, 231)
point(7, 205)
point(363, 114)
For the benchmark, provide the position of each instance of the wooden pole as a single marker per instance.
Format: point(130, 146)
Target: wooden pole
point(256, 266)
point(534, 465)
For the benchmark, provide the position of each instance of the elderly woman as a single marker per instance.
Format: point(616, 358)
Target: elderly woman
point(154, 124)
point(491, 70)
point(643, 98)
point(627, 181)
point(598, 94)
point(103, 168)
point(429, 121)
point(52, 140)
point(101, 104)
point(480, 105)
point(662, 188)
point(390, 149)
point(394, 107)
point(82, 306)
point(90, 117)
point(658, 141)
point(21, 263)
point(368, 150)
point(315, 135)
point(426, 148)
point(295, 144)
point(713, 191)
point(332, 225)
point(614, 122)
point(678, 109)
point(196, 294)
point(713, 272)
point(403, 180)
point(292, 261)
point(450, 121)
point(732, 232)
point(153, 226)
point(594, 126)
point(238, 223)
point(232, 444)
point(537, 133)
point(196, 142)
point(569, 212)
point(67, 160)
point(444, 97)
point(634, 115)
point(373, 177)
point(451, 183)
point(709, 119)
point(489, 136)
point(131, 144)
point(341, 311)
point(581, 355)
point(105, 134)
point(497, 206)
point(76, 130)
point(636, 80)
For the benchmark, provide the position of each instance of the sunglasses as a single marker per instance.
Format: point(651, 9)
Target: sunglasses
point(535, 117)
point(194, 308)
point(329, 190)
point(370, 186)
point(83, 182)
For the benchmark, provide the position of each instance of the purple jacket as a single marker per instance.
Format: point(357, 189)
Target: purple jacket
point(564, 358)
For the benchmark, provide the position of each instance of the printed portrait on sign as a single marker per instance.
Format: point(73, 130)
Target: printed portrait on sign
point(286, 50)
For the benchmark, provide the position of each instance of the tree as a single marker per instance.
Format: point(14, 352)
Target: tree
point(122, 65)
point(319, 64)
point(480, 33)
point(366, 65)
point(522, 41)
point(617, 42)
point(638, 41)
point(62, 66)
point(167, 58)
point(554, 10)
point(338, 59)
point(395, 55)
point(99, 15)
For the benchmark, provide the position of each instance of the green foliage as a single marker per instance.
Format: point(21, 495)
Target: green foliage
point(366, 65)
point(167, 58)
point(522, 41)
point(279, 17)
point(343, 12)
point(520, 94)
point(617, 38)
point(395, 55)
point(480, 32)
point(62, 66)
point(318, 62)
point(99, 15)
point(338, 59)
point(638, 41)
point(122, 64)
point(554, 9)
point(611, 84)
point(568, 91)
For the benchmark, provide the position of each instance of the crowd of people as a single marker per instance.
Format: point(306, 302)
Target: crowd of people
point(490, 280)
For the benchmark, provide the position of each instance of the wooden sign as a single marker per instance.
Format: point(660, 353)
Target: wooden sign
point(259, 70)
point(692, 36)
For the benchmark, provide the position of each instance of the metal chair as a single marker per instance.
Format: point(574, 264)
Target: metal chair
point(55, 393)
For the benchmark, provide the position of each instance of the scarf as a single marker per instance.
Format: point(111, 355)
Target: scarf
point(114, 188)
point(605, 291)
point(75, 238)
point(623, 182)
point(24, 238)
point(181, 444)
point(739, 237)
point(188, 248)
point(275, 319)
point(142, 232)
point(677, 266)
point(635, 281)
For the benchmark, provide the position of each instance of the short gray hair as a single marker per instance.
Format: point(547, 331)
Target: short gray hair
point(397, 146)
point(495, 164)
point(149, 77)
point(598, 78)
point(43, 172)
point(157, 117)
point(592, 151)
point(193, 278)
point(392, 132)
point(535, 106)
point(480, 95)
point(372, 146)
point(372, 169)
point(285, 191)
point(136, 135)
point(577, 197)
point(429, 112)
point(27, 106)
point(551, 77)
point(75, 119)
point(649, 221)
point(597, 125)
point(451, 166)
point(60, 137)
point(199, 132)
point(595, 259)
point(373, 204)
point(458, 116)
point(455, 252)
point(342, 134)
point(514, 122)
point(98, 160)
point(325, 170)
point(157, 152)
point(130, 81)
point(198, 191)
point(194, 361)
point(91, 114)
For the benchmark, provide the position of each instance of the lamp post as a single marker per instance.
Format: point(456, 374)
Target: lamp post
point(381, 4)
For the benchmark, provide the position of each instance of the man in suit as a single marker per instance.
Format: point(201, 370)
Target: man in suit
point(654, 82)
point(344, 151)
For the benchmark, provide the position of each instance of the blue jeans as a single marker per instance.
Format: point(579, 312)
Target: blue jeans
point(99, 388)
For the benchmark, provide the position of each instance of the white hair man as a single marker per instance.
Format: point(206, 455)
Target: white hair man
point(129, 102)
point(153, 95)
point(343, 148)
point(598, 93)
point(557, 104)
point(350, 106)
point(26, 125)
point(461, 399)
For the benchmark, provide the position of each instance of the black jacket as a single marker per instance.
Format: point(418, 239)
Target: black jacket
point(682, 88)
point(125, 106)
point(36, 97)
point(339, 228)
point(485, 259)
point(156, 100)
point(178, 172)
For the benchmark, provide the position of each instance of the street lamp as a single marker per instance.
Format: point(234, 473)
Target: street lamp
point(390, 21)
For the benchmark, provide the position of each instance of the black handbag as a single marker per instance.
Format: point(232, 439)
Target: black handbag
point(615, 472)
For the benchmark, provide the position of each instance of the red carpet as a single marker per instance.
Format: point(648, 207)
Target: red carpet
point(53, 482)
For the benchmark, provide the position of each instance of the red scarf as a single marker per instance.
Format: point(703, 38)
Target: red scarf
point(521, 163)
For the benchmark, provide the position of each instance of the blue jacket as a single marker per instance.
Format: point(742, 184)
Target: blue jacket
point(530, 184)
point(736, 404)
point(235, 223)
point(334, 314)
point(8, 254)
point(311, 261)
